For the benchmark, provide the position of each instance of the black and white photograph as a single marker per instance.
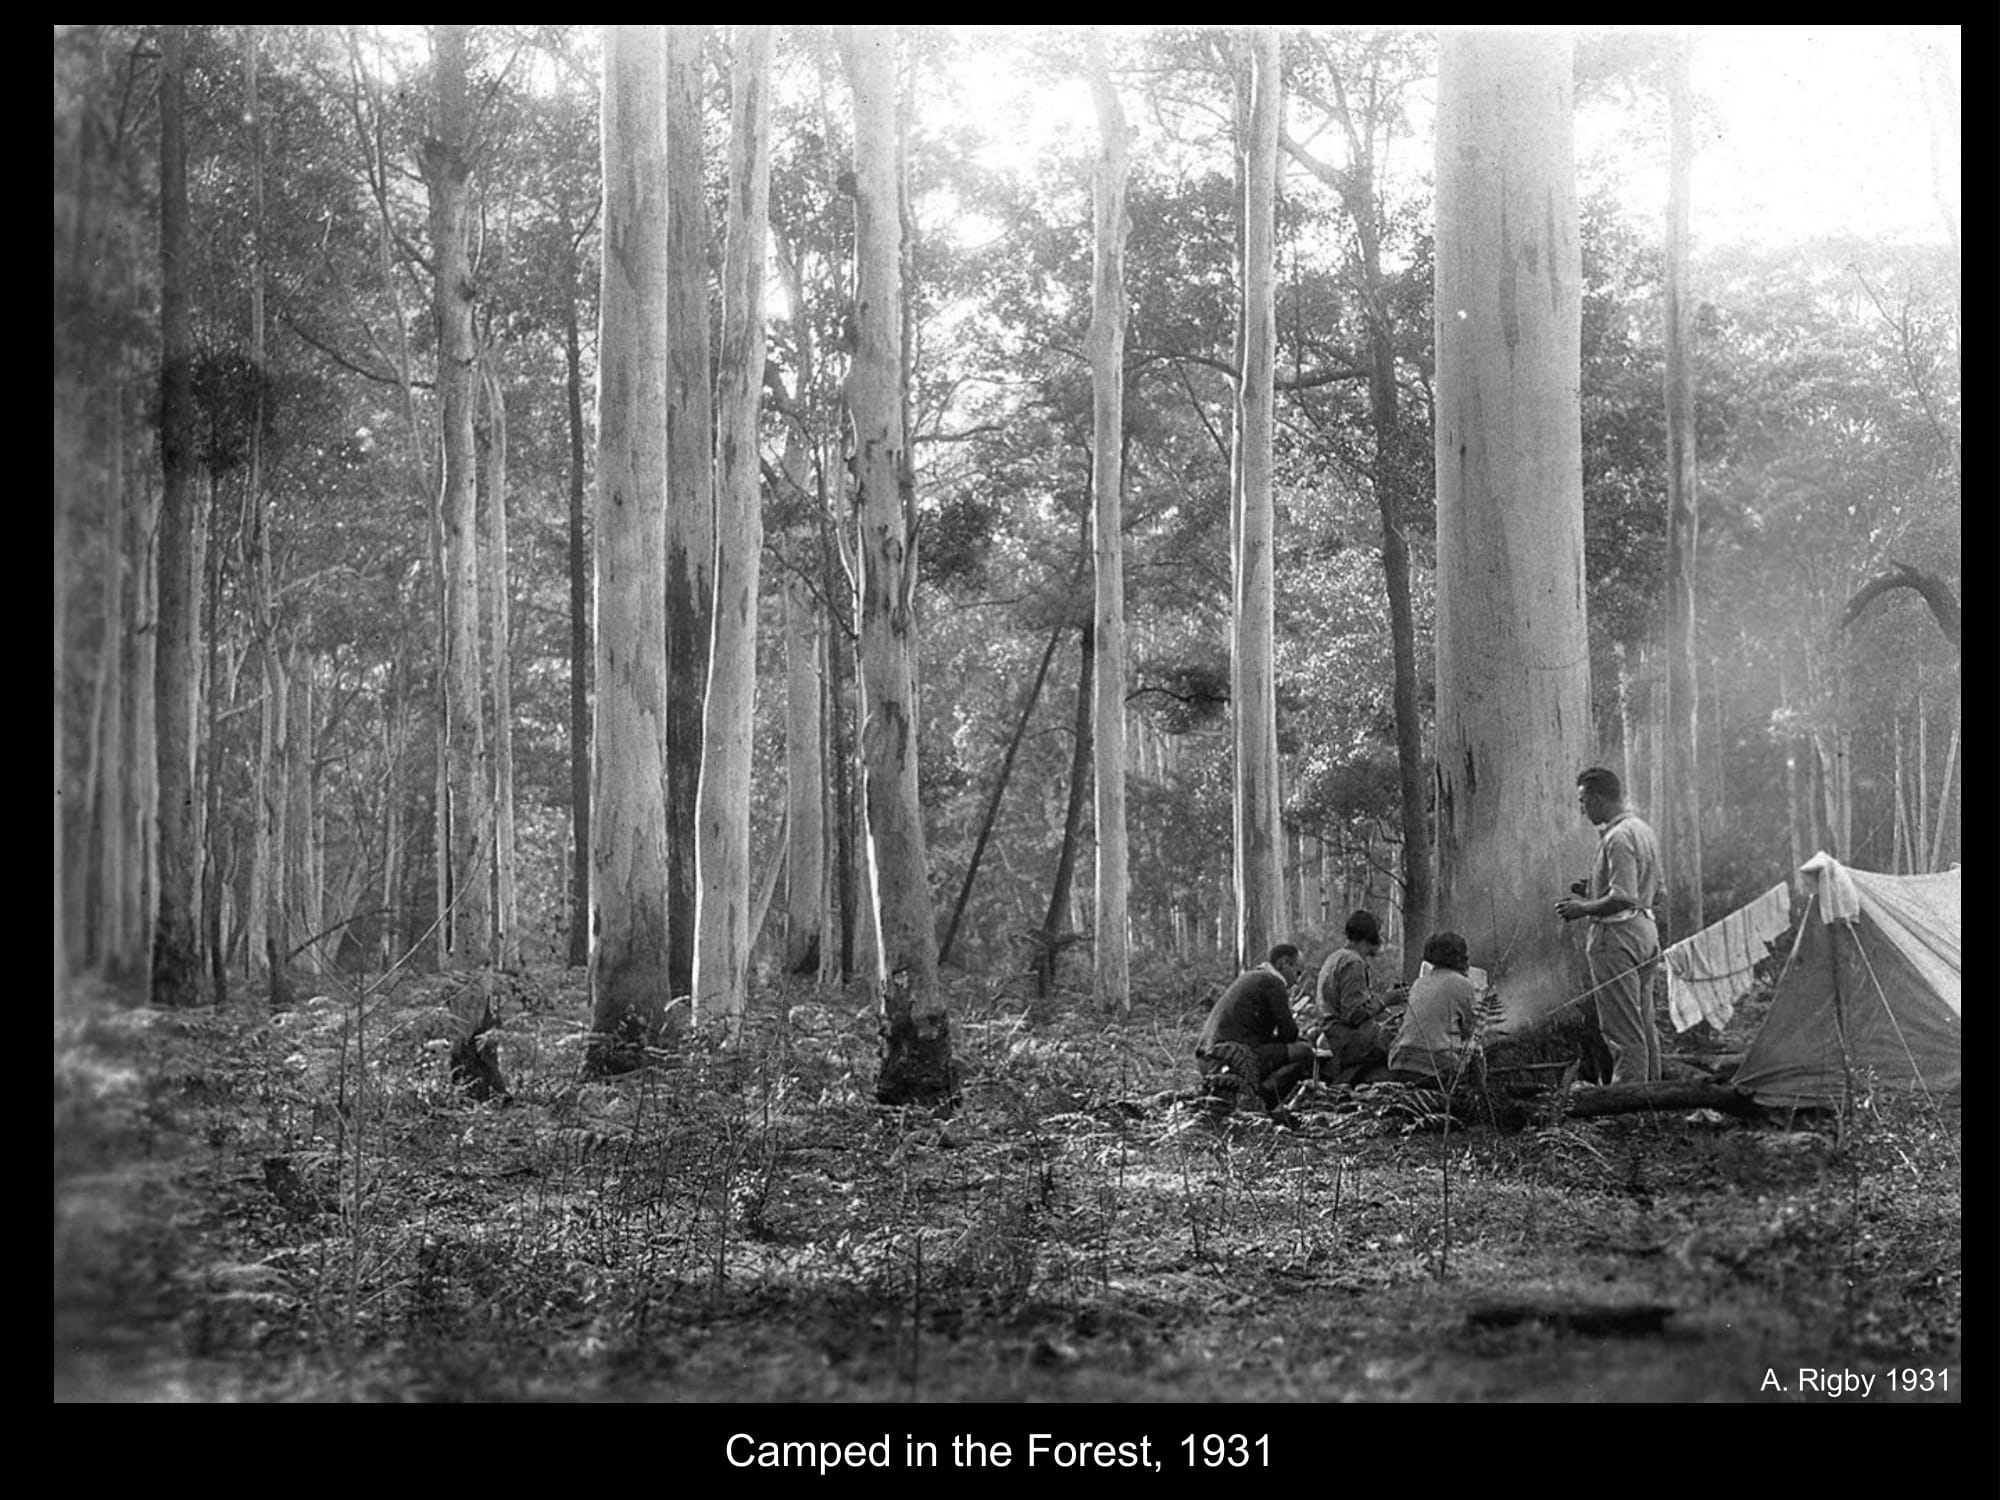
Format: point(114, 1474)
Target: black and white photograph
point(816, 719)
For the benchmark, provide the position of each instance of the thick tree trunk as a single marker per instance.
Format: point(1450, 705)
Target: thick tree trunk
point(1259, 874)
point(1113, 968)
point(1680, 828)
point(916, 1037)
point(723, 932)
point(690, 478)
point(628, 851)
point(467, 924)
point(1513, 717)
point(176, 979)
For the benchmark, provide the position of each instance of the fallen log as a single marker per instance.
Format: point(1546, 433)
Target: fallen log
point(1671, 1094)
point(1597, 1320)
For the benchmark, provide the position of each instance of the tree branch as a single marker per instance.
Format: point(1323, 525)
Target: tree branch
point(1935, 591)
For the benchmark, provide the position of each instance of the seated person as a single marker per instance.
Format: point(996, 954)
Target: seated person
point(1442, 1020)
point(1251, 1031)
point(1350, 1007)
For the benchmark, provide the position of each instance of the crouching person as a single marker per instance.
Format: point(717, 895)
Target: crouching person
point(1252, 1034)
point(1351, 1007)
point(1441, 1023)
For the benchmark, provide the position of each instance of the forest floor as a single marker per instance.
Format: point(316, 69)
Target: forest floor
point(301, 1206)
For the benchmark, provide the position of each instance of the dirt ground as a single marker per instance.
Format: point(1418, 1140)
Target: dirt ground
point(303, 1207)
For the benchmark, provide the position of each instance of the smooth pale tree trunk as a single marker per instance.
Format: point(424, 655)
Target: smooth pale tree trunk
point(723, 930)
point(1905, 862)
point(579, 628)
point(848, 835)
point(1656, 733)
point(467, 926)
point(141, 729)
point(628, 850)
point(1680, 828)
point(1259, 850)
point(395, 721)
point(493, 480)
point(916, 1037)
point(1718, 755)
point(1113, 969)
point(1923, 807)
point(209, 776)
point(301, 883)
point(1625, 734)
point(809, 921)
point(805, 780)
point(270, 936)
point(690, 478)
point(176, 978)
point(81, 908)
point(67, 421)
point(1795, 815)
point(1513, 685)
point(111, 821)
point(1936, 861)
point(1830, 756)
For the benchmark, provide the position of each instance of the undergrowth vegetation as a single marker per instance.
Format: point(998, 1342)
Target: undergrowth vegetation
point(306, 1205)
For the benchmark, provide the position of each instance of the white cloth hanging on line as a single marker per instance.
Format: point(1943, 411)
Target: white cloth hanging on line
point(1706, 973)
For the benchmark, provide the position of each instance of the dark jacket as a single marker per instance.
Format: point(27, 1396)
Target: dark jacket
point(1253, 1011)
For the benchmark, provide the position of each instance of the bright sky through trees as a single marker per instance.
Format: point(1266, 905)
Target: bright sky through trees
point(1805, 131)
point(1822, 131)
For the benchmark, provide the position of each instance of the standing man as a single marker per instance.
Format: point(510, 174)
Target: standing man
point(1252, 1033)
point(1623, 944)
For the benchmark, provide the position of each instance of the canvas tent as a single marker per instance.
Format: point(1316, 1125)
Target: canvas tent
point(1871, 986)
